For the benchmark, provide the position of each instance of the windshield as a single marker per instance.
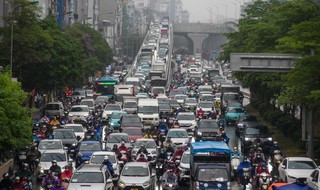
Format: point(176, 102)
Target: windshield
point(164, 106)
point(113, 107)
point(158, 90)
point(207, 98)
point(132, 131)
point(249, 118)
point(101, 100)
point(256, 130)
point(148, 109)
point(190, 101)
point(52, 107)
point(208, 89)
point(231, 97)
point(148, 144)
point(88, 103)
point(208, 124)
point(177, 134)
point(180, 97)
point(79, 109)
point(46, 145)
point(89, 92)
point(116, 115)
point(48, 157)
point(173, 93)
point(205, 105)
point(305, 165)
point(185, 158)
point(98, 159)
point(64, 135)
point(87, 177)
point(185, 117)
point(76, 128)
point(118, 139)
point(90, 147)
point(134, 83)
point(135, 171)
point(77, 93)
point(235, 110)
point(210, 175)
point(131, 119)
point(130, 105)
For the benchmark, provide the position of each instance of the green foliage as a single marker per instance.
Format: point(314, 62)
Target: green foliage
point(15, 120)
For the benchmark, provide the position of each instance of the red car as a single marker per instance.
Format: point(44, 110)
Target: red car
point(133, 132)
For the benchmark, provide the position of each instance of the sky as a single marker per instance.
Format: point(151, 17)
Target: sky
point(207, 11)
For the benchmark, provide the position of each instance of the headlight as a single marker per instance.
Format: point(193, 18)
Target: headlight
point(270, 139)
point(147, 183)
point(153, 152)
point(121, 183)
point(112, 124)
point(246, 139)
point(79, 154)
point(74, 144)
point(197, 185)
point(199, 133)
point(85, 115)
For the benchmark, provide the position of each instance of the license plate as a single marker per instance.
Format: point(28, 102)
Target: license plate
point(148, 122)
point(134, 188)
point(77, 119)
point(22, 157)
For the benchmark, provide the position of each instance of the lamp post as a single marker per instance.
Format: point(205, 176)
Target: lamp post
point(11, 40)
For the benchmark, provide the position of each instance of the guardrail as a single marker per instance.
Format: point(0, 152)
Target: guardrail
point(169, 69)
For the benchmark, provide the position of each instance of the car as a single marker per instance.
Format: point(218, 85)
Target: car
point(85, 151)
point(116, 138)
point(172, 93)
point(206, 106)
point(130, 106)
point(178, 136)
point(133, 132)
point(313, 180)
point(207, 129)
point(50, 144)
point(109, 109)
point(54, 109)
point(184, 167)
point(180, 98)
point(150, 145)
point(68, 138)
point(78, 94)
point(115, 118)
point(164, 109)
point(130, 120)
point(244, 120)
point(101, 100)
point(190, 103)
point(232, 114)
point(293, 168)
point(78, 129)
point(90, 103)
point(206, 97)
point(256, 132)
point(79, 114)
point(98, 157)
point(174, 104)
point(187, 120)
point(89, 93)
point(89, 176)
point(45, 161)
point(136, 175)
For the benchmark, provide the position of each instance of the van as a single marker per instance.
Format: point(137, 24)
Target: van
point(54, 109)
point(148, 111)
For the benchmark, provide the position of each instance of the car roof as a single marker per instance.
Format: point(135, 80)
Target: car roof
point(90, 142)
point(144, 139)
point(104, 153)
point(208, 120)
point(51, 140)
point(63, 129)
point(143, 164)
point(76, 106)
point(72, 124)
point(89, 168)
point(178, 129)
point(299, 159)
point(54, 151)
point(118, 134)
point(185, 113)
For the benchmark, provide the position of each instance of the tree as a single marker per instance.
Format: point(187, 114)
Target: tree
point(15, 120)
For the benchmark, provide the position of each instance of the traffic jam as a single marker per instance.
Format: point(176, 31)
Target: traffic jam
point(169, 122)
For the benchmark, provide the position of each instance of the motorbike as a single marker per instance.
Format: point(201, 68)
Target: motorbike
point(277, 158)
point(264, 181)
point(65, 182)
point(235, 162)
point(123, 159)
point(245, 178)
point(22, 156)
point(176, 125)
point(221, 127)
point(170, 183)
point(27, 183)
point(159, 168)
point(170, 121)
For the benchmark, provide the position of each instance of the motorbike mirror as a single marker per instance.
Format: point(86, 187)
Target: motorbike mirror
point(86, 162)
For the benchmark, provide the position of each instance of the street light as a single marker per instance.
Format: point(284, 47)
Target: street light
point(11, 43)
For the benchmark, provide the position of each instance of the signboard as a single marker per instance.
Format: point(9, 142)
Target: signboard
point(262, 62)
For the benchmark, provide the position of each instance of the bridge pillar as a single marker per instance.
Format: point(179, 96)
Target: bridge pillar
point(197, 39)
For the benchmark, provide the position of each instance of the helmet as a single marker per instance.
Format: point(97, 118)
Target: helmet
point(106, 158)
point(67, 167)
point(245, 158)
point(115, 146)
point(235, 148)
point(143, 146)
point(275, 143)
point(58, 181)
point(17, 178)
point(123, 143)
point(264, 166)
point(141, 155)
point(259, 149)
point(5, 175)
point(223, 132)
point(54, 161)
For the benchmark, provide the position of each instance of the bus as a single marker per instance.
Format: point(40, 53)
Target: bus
point(105, 85)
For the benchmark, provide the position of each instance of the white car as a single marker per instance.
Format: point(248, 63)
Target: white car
point(97, 158)
point(178, 136)
point(180, 98)
point(109, 109)
point(206, 106)
point(79, 113)
point(293, 168)
point(184, 167)
point(50, 144)
point(78, 129)
point(313, 180)
point(89, 102)
point(150, 145)
point(187, 120)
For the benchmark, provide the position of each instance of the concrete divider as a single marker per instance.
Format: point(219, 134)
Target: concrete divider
point(6, 167)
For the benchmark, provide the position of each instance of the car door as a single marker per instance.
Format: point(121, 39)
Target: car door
point(282, 168)
point(313, 180)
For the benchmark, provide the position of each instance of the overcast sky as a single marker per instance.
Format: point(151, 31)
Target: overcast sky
point(211, 10)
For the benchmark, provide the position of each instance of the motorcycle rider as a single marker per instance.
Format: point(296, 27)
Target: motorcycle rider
point(48, 181)
point(156, 133)
point(148, 135)
point(17, 184)
point(169, 149)
point(169, 176)
point(143, 150)
point(142, 158)
point(200, 113)
point(58, 185)
point(123, 147)
point(236, 152)
point(222, 121)
point(225, 137)
point(6, 182)
point(274, 147)
point(33, 156)
point(178, 153)
point(108, 164)
point(24, 172)
point(66, 174)
point(262, 168)
point(94, 136)
point(55, 168)
point(259, 151)
point(55, 122)
point(168, 142)
point(244, 164)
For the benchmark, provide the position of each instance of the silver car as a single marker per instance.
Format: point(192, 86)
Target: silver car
point(151, 147)
point(136, 175)
point(50, 144)
point(97, 159)
point(116, 138)
point(184, 167)
point(89, 177)
point(79, 113)
point(78, 129)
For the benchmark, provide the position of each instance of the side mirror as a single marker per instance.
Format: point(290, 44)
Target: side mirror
point(78, 138)
point(65, 148)
point(153, 175)
point(283, 166)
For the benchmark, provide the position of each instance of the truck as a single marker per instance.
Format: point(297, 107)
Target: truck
point(210, 165)
point(158, 66)
point(213, 72)
point(230, 92)
point(148, 111)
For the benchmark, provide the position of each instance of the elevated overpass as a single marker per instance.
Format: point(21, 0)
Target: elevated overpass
point(200, 35)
